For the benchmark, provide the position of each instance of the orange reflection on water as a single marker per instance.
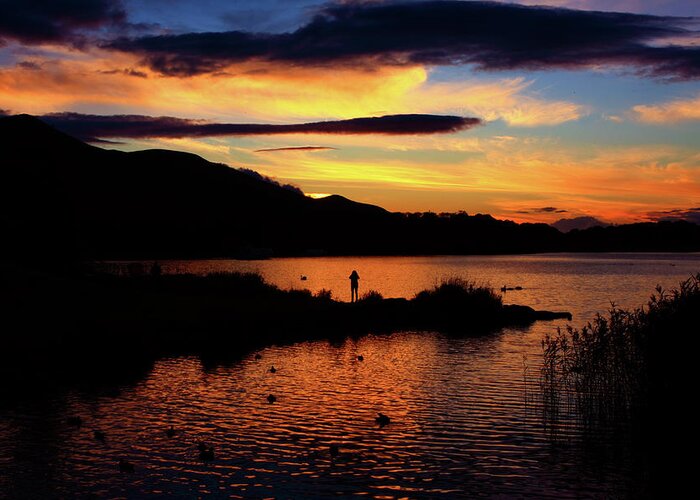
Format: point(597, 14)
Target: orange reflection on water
point(464, 417)
point(459, 423)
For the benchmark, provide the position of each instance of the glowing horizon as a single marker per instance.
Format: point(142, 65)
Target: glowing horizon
point(612, 137)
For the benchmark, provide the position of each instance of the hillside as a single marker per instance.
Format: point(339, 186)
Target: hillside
point(64, 199)
point(70, 196)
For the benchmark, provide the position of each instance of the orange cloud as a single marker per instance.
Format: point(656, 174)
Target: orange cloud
point(499, 174)
point(680, 110)
point(616, 184)
point(101, 82)
point(502, 175)
point(107, 82)
point(78, 82)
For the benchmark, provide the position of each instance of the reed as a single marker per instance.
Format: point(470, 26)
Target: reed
point(621, 366)
point(372, 296)
point(461, 291)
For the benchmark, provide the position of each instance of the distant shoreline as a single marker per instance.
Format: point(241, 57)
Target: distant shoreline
point(117, 260)
point(68, 196)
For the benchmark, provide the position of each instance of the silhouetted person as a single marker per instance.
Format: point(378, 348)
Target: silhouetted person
point(354, 286)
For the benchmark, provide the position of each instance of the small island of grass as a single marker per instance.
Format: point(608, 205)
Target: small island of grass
point(97, 315)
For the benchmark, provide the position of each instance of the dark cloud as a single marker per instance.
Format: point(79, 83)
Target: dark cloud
point(584, 222)
point(29, 65)
point(39, 21)
point(543, 210)
point(687, 214)
point(89, 127)
point(296, 148)
point(488, 35)
point(548, 210)
point(126, 71)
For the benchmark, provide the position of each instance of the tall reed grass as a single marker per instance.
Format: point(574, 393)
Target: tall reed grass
point(623, 365)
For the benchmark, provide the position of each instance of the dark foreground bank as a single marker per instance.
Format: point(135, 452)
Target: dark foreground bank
point(633, 370)
point(72, 319)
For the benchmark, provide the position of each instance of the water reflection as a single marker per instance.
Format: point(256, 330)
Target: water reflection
point(464, 418)
point(460, 425)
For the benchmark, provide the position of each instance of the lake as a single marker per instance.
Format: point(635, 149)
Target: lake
point(465, 414)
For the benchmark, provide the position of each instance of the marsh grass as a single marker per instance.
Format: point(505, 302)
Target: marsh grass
point(372, 296)
point(624, 366)
point(324, 294)
point(462, 292)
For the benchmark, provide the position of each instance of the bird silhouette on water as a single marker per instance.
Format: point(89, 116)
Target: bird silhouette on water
point(125, 466)
point(170, 432)
point(271, 398)
point(382, 420)
point(334, 450)
point(273, 369)
point(206, 453)
point(360, 358)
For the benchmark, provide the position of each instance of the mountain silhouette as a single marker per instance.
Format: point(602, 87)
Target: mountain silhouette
point(64, 199)
point(584, 222)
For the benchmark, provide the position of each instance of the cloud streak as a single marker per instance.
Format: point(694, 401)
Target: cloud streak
point(296, 148)
point(687, 214)
point(89, 127)
point(543, 210)
point(489, 35)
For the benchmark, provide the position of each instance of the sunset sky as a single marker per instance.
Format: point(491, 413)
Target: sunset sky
point(581, 108)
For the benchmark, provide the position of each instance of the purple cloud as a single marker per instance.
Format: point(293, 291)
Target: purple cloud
point(687, 214)
point(488, 35)
point(296, 148)
point(89, 127)
point(39, 21)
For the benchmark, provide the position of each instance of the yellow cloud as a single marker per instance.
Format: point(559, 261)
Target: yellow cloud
point(504, 99)
point(107, 83)
point(503, 175)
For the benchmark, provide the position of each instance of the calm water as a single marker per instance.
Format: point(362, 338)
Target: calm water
point(465, 417)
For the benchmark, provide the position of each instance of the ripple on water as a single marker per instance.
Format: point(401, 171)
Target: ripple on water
point(465, 417)
point(460, 425)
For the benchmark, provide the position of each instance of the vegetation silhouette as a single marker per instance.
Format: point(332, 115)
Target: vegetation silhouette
point(145, 316)
point(64, 201)
point(630, 371)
